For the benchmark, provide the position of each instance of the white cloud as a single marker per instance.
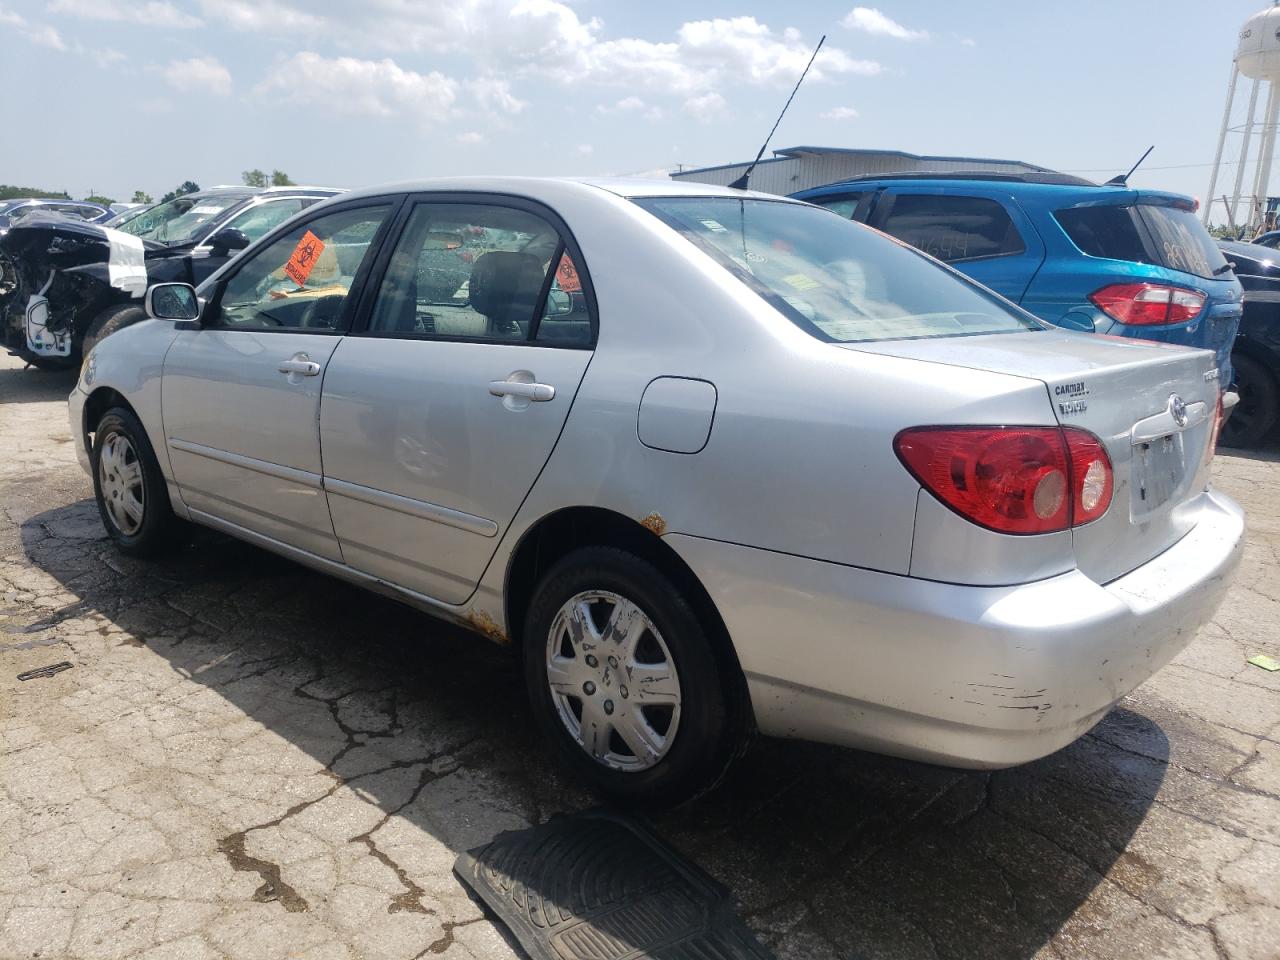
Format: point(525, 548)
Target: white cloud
point(260, 16)
point(968, 42)
point(705, 107)
point(348, 85)
point(839, 113)
point(470, 136)
point(586, 149)
point(46, 36)
point(198, 75)
point(872, 21)
point(153, 13)
point(494, 95)
point(107, 56)
point(9, 17)
point(630, 105)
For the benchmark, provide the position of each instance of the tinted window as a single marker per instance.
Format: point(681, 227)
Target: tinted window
point(260, 220)
point(953, 228)
point(835, 279)
point(1182, 242)
point(1111, 232)
point(843, 205)
point(467, 270)
point(301, 280)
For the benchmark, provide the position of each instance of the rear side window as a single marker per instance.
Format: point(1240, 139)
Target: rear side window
point(1166, 236)
point(953, 228)
point(843, 205)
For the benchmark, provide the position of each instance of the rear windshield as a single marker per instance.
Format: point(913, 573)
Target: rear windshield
point(838, 280)
point(1145, 233)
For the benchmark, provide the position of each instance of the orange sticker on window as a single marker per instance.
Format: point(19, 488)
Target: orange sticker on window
point(303, 259)
point(567, 276)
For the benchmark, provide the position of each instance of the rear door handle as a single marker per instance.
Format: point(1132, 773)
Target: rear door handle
point(537, 392)
point(301, 365)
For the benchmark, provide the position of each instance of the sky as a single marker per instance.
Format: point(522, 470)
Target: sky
point(113, 96)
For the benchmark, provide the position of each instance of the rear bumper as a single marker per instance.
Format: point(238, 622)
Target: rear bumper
point(981, 677)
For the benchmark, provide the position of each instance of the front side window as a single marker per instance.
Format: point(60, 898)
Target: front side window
point(469, 271)
point(302, 280)
point(953, 228)
point(178, 221)
point(261, 219)
point(834, 278)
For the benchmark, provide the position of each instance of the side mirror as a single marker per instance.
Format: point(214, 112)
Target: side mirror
point(559, 304)
point(172, 301)
point(229, 238)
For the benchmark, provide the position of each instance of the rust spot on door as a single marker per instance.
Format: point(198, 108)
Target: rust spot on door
point(654, 524)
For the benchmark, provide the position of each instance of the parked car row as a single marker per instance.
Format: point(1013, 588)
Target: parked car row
point(712, 461)
point(67, 281)
point(1256, 353)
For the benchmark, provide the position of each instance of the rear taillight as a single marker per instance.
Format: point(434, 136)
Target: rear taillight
point(1021, 480)
point(1148, 304)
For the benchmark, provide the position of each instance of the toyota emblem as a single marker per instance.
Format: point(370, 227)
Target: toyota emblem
point(1178, 410)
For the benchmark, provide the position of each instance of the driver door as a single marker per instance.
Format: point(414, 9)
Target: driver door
point(241, 395)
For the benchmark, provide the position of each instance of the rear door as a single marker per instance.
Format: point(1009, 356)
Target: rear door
point(982, 233)
point(241, 395)
point(439, 415)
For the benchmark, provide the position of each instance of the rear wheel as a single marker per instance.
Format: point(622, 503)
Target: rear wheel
point(133, 499)
point(626, 682)
point(1259, 405)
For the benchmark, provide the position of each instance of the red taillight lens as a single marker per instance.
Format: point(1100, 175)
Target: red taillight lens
point(1021, 480)
point(1148, 304)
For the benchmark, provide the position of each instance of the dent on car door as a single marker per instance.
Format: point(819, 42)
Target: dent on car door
point(986, 237)
point(439, 416)
point(241, 395)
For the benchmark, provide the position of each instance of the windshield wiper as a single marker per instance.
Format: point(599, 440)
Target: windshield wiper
point(1229, 265)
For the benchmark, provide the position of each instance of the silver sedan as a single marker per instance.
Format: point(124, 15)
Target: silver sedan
point(712, 461)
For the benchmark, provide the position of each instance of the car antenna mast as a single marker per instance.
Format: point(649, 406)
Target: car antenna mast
point(741, 182)
point(1123, 180)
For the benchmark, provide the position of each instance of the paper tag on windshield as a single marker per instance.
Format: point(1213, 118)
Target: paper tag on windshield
point(801, 281)
point(205, 210)
point(713, 225)
point(303, 259)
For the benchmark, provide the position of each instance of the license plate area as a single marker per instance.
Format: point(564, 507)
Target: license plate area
point(1158, 470)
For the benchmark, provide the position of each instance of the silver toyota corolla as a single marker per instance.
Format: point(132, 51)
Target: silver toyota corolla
point(713, 461)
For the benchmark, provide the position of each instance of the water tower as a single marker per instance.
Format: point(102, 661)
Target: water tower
point(1258, 60)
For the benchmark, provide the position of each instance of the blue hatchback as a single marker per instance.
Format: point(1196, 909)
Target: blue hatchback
point(1099, 258)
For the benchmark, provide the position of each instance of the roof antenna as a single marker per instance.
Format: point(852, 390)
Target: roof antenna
point(741, 182)
point(1123, 180)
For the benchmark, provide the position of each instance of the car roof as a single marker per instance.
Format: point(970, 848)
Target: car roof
point(1032, 176)
point(544, 187)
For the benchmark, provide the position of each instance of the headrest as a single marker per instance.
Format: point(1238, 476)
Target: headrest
point(505, 286)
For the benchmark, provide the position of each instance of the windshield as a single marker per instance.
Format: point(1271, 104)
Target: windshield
point(838, 280)
point(178, 221)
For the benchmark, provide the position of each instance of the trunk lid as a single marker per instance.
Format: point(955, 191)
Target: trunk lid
point(1122, 391)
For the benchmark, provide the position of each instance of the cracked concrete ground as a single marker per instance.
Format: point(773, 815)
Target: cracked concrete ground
point(250, 760)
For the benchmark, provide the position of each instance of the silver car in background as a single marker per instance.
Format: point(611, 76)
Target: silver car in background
point(712, 461)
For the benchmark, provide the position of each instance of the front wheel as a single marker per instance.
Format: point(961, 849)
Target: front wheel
point(626, 682)
point(133, 499)
point(1259, 405)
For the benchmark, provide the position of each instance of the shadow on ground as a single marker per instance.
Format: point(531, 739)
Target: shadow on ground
point(831, 853)
point(30, 385)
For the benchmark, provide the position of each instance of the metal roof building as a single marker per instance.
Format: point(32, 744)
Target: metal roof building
point(799, 168)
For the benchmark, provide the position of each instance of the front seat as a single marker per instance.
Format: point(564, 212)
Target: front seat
point(504, 288)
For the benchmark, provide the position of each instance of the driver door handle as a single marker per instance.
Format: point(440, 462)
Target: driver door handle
point(537, 392)
point(300, 365)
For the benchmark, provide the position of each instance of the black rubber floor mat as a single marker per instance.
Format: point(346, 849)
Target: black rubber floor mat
point(599, 886)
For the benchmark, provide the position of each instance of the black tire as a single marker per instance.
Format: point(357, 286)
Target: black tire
point(712, 727)
point(158, 528)
point(1259, 406)
point(108, 322)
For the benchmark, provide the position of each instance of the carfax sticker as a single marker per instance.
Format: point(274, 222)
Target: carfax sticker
point(303, 259)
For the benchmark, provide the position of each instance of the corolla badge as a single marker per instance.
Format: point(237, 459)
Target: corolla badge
point(1178, 410)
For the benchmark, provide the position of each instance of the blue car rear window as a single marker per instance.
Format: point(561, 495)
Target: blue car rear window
point(1145, 233)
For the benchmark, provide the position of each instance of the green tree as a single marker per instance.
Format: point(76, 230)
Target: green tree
point(254, 178)
point(9, 192)
point(280, 179)
point(99, 200)
point(140, 196)
point(188, 186)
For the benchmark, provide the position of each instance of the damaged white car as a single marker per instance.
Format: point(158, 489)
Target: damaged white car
point(712, 461)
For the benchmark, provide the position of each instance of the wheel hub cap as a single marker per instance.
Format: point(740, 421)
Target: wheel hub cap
point(613, 680)
point(120, 480)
